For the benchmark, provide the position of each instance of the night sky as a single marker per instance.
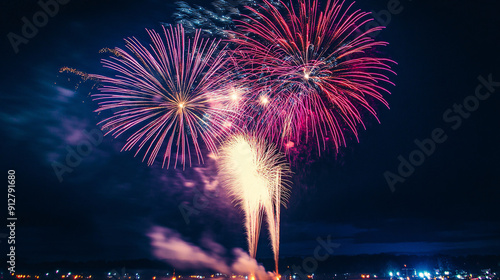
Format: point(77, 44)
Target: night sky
point(113, 206)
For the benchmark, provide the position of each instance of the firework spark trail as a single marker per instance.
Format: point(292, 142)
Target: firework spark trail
point(279, 196)
point(170, 94)
point(310, 71)
point(256, 176)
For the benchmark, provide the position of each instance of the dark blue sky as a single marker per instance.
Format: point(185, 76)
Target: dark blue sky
point(107, 207)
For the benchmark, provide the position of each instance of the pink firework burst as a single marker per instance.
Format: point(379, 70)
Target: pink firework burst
point(169, 96)
point(311, 71)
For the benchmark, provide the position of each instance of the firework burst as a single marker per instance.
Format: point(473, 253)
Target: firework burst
point(311, 71)
point(256, 176)
point(169, 96)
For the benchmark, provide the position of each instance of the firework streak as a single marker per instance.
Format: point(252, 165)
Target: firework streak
point(309, 71)
point(173, 93)
point(256, 176)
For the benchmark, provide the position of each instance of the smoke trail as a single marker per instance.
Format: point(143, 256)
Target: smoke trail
point(169, 246)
